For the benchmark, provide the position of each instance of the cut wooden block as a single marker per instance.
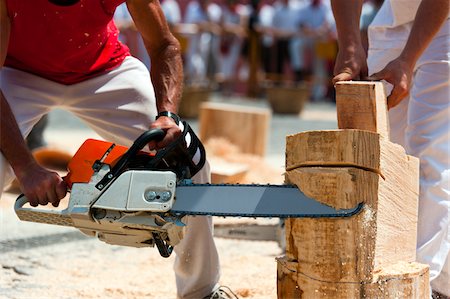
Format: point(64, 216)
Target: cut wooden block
point(245, 127)
point(347, 252)
point(223, 171)
point(363, 106)
point(362, 256)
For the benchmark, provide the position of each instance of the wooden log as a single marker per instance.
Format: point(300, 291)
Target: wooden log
point(362, 256)
point(246, 127)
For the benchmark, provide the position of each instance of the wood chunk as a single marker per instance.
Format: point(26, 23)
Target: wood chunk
point(385, 231)
point(245, 127)
point(223, 171)
point(363, 106)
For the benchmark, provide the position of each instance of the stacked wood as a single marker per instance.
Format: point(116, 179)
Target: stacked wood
point(370, 254)
point(246, 127)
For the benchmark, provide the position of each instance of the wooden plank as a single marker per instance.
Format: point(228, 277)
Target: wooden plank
point(363, 106)
point(245, 127)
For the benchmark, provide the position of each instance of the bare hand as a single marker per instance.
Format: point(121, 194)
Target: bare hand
point(399, 73)
point(41, 186)
point(351, 64)
point(168, 125)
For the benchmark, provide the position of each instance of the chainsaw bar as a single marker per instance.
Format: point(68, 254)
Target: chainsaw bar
point(251, 200)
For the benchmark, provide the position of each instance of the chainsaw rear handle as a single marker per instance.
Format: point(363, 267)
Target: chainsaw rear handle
point(40, 215)
point(139, 144)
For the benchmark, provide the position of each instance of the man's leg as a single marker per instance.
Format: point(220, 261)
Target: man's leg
point(30, 97)
point(197, 263)
point(428, 137)
point(111, 113)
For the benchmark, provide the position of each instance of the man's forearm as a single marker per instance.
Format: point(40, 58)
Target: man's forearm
point(167, 78)
point(12, 144)
point(347, 14)
point(429, 19)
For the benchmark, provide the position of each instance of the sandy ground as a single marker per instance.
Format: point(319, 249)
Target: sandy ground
point(44, 261)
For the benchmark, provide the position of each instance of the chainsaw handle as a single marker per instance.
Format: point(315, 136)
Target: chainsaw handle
point(139, 143)
point(40, 215)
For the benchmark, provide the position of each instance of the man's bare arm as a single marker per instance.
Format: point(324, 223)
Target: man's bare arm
point(351, 60)
point(166, 62)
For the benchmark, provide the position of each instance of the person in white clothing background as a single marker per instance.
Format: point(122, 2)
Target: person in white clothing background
point(409, 47)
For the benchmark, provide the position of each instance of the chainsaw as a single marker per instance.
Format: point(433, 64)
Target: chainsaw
point(130, 197)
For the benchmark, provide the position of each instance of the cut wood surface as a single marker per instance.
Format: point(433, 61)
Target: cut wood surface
point(363, 106)
point(229, 164)
point(245, 127)
point(223, 171)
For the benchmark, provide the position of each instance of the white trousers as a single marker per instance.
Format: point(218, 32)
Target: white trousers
point(119, 106)
point(421, 123)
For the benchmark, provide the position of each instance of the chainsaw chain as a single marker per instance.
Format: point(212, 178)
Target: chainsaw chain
point(224, 215)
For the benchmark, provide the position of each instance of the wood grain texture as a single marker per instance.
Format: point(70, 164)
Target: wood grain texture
point(371, 254)
point(400, 280)
point(245, 127)
point(343, 168)
point(362, 105)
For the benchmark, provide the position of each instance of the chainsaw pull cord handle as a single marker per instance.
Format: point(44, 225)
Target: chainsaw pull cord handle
point(139, 143)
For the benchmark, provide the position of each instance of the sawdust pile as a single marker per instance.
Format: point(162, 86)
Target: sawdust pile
point(258, 171)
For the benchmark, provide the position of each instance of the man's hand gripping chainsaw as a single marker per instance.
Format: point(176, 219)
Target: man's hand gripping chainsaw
point(122, 195)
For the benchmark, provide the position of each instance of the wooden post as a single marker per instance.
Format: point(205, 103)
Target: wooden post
point(245, 127)
point(368, 255)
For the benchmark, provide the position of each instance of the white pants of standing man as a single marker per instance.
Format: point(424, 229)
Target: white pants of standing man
point(119, 106)
point(421, 123)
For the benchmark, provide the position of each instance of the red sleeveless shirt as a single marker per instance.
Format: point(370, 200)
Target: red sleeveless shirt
point(66, 44)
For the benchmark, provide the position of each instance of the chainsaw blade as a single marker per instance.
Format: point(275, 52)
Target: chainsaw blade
point(281, 201)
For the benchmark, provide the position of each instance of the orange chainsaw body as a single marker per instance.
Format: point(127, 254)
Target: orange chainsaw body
point(92, 150)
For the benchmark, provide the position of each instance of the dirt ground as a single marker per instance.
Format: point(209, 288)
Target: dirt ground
point(92, 269)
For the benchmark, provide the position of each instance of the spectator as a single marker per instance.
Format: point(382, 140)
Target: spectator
point(284, 25)
point(201, 59)
point(315, 29)
point(231, 41)
point(129, 34)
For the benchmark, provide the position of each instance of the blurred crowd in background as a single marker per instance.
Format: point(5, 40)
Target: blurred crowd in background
point(239, 47)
